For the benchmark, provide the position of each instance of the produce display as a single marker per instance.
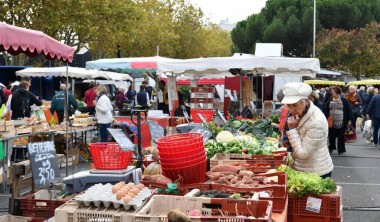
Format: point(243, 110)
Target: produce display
point(237, 176)
point(118, 195)
point(300, 183)
point(226, 142)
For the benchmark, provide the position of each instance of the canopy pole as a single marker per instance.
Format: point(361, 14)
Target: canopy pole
point(241, 93)
point(67, 117)
point(262, 96)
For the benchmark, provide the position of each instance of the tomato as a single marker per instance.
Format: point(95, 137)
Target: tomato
point(245, 150)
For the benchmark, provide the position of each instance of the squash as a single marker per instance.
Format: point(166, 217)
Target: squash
point(156, 156)
point(153, 169)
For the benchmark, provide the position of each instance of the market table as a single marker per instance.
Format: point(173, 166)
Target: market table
point(8, 144)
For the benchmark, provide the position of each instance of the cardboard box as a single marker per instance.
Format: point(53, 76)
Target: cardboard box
point(8, 133)
point(81, 121)
point(24, 130)
point(9, 128)
point(9, 123)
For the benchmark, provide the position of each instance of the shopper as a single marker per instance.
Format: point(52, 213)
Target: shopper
point(103, 108)
point(355, 104)
point(131, 94)
point(120, 98)
point(143, 97)
point(339, 109)
point(314, 97)
point(148, 88)
point(22, 100)
point(367, 98)
point(7, 91)
point(162, 96)
point(89, 97)
point(58, 103)
point(7, 109)
point(306, 128)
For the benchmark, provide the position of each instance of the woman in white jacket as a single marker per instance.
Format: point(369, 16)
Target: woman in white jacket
point(104, 110)
point(306, 130)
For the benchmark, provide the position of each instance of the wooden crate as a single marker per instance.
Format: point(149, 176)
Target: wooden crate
point(24, 130)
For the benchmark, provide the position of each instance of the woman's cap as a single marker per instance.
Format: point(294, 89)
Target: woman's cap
point(295, 91)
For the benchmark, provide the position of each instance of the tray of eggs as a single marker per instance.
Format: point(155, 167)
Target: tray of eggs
point(118, 195)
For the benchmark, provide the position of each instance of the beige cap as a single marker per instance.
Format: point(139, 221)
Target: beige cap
point(295, 91)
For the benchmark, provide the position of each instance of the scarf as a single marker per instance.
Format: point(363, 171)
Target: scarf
point(285, 139)
point(352, 97)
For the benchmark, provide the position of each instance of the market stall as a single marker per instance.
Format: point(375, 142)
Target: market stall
point(367, 82)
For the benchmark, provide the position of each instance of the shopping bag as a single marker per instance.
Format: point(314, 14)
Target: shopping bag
point(350, 135)
point(359, 123)
point(2, 108)
point(367, 132)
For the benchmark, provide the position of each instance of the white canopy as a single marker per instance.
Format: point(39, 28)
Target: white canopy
point(263, 65)
point(73, 72)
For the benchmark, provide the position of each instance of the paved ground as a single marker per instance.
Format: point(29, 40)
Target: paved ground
point(357, 171)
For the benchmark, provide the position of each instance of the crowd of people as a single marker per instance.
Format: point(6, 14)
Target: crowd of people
point(314, 123)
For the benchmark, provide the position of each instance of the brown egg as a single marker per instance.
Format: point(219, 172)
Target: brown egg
point(135, 191)
point(126, 189)
point(120, 195)
point(131, 185)
point(121, 183)
point(140, 186)
point(115, 188)
point(126, 199)
point(131, 195)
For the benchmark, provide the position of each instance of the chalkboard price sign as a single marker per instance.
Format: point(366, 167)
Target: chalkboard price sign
point(156, 131)
point(42, 156)
point(125, 144)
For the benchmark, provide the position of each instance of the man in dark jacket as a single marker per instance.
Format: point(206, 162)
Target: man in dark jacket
point(148, 88)
point(22, 100)
point(58, 103)
point(374, 112)
point(142, 97)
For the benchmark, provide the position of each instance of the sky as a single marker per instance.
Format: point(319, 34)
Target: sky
point(233, 10)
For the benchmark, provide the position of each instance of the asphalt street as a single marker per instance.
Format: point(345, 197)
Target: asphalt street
point(357, 171)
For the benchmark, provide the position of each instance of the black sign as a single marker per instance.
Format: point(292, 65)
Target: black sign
point(44, 163)
point(247, 112)
point(221, 116)
point(156, 131)
point(123, 141)
point(207, 134)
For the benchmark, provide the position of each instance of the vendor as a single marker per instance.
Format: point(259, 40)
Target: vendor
point(307, 131)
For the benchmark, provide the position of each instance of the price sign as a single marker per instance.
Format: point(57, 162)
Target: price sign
point(207, 134)
point(156, 131)
point(123, 141)
point(45, 170)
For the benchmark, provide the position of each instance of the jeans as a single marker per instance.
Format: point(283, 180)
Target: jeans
point(103, 132)
point(326, 175)
point(376, 126)
point(333, 134)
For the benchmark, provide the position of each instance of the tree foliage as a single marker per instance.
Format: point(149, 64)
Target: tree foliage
point(137, 26)
point(356, 51)
point(290, 22)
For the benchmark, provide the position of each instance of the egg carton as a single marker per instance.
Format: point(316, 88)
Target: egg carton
point(100, 194)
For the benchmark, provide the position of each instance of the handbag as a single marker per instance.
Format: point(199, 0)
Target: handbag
point(367, 132)
point(357, 110)
point(350, 134)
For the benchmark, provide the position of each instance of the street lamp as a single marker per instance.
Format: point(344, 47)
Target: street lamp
point(314, 26)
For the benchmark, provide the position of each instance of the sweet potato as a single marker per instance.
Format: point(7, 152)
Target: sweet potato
point(157, 179)
point(225, 168)
point(246, 173)
point(177, 216)
point(213, 175)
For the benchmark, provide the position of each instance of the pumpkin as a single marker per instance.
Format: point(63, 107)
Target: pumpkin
point(153, 169)
point(156, 156)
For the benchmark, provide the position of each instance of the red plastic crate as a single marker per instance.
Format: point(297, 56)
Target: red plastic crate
point(39, 206)
point(109, 156)
point(190, 174)
point(208, 115)
point(330, 207)
point(303, 218)
point(278, 191)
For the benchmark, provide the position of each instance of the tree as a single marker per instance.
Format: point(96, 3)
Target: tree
point(356, 51)
point(290, 22)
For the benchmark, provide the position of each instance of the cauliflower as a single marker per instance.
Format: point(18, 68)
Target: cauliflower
point(224, 136)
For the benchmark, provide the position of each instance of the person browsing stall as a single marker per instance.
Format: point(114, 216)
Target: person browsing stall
point(307, 131)
point(103, 108)
point(89, 97)
point(22, 100)
point(58, 103)
point(143, 97)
